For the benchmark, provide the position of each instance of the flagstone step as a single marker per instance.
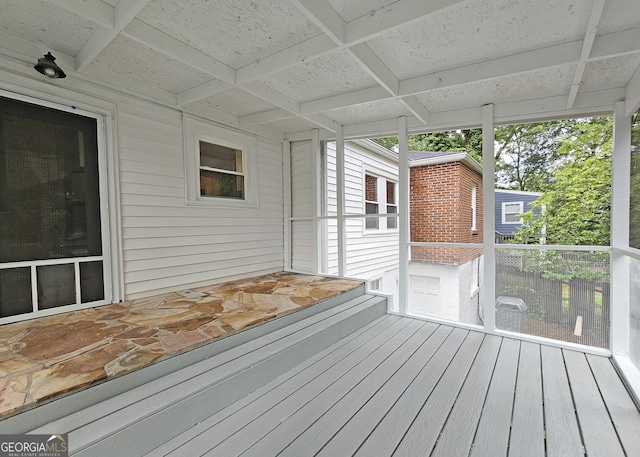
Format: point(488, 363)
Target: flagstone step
point(136, 420)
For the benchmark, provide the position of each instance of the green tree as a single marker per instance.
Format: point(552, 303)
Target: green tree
point(575, 208)
point(469, 140)
point(526, 154)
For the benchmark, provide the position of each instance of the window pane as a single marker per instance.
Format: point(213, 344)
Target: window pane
point(372, 222)
point(391, 192)
point(216, 184)
point(220, 157)
point(91, 283)
point(634, 213)
point(56, 285)
point(392, 222)
point(371, 188)
point(15, 292)
point(49, 185)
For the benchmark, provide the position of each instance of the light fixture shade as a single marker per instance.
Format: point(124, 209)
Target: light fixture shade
point(47, 66)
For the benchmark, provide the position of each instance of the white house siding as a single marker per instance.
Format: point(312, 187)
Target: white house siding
point(301, 206)
point(168, 245)
point(369, 255)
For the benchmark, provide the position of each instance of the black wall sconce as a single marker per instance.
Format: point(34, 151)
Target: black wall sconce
point(47, 66)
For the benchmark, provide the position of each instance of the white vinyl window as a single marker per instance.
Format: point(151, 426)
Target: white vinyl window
point(381, 197)
point(221, 165)
point(511, 212)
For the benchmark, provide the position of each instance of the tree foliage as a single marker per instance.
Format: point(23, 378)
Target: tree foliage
point(576, 205)
point(469, 140)
point(525, 154)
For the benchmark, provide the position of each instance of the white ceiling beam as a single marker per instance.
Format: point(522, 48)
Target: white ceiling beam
point(177, 50)
point(96, 11)
point(587, 45)
point(616, 44)
point(376, 68)
point(396, 15)
point(324, 121)
point(272, 96)
point(101, 37)
point(632, 94)
point(277, 114)
point(325, 18)
point(414, 105)
point(202, 91)
point(495, 68)
point(357, 97)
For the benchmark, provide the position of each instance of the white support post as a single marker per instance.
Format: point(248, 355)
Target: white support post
point(341, 221)
point(403, 223)
point(620, 192)
point(286, 180)
point(316, 206)
point(488, 289)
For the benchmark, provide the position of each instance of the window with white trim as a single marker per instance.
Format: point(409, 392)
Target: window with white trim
point(512, 212)
point(221, 165)
point(381, 197)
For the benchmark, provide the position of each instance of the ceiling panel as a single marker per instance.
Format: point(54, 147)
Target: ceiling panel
point(479, 30)
point(609, 73)
point(40, 21)
point(238, 102)
point(333, 74)
point(134, 60)
point(236, 32)
point(619, 15)
point(541, 83)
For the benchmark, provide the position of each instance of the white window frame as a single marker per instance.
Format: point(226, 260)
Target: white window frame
point(196, 131)
point(504, 213)
point(381, 201)
point(474, 207)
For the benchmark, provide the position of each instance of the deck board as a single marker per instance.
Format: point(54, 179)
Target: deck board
point(405, 388)
point(527, 430)
point(492, 437)
point(624, 414)
point(598, 433)
point(457, 435)
point(562, 432)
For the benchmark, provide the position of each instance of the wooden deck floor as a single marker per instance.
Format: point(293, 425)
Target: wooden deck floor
point(406, 387)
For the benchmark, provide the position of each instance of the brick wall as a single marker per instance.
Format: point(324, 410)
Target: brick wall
point(440, 211)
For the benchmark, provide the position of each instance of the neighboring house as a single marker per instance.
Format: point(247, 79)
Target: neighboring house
point(371, 187)
point(445, 207)
point(509, 207)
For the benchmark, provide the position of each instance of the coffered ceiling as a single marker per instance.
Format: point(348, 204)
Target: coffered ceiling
point(288, 66)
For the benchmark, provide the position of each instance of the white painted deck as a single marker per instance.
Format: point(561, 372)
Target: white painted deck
point(406, 387)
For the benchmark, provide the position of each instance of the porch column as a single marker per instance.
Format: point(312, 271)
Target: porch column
point(342, 242)
point(488, 288)
point(316, 202)
point(286, 171)
point(620, 191)
point(403, 223)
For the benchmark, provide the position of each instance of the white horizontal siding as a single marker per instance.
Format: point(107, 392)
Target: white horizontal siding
point(371, 254)
point(168, 245)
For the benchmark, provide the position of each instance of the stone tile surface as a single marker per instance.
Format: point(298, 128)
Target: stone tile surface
point(43, 358)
